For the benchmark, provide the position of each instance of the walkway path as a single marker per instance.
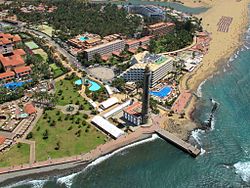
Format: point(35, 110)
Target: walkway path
point(32, 149)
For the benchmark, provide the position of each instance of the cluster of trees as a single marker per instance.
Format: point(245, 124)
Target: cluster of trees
point(171, 42)
point(99, 95)
point(73, 17)
point(182, 36)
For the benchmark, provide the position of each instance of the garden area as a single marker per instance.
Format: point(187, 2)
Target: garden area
point(57, 71)
point(99, 95)
point(67, 93)
point(19, 154)
point(59, 135)
point(46, 29)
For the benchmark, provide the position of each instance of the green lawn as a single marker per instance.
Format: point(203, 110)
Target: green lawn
point(64, 132)
point(56, 70)
point(46, 29)
point(31, 45)
point(69, 94)
point(42, 53)
point(15, 156)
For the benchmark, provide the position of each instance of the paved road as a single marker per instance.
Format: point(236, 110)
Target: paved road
point(72, 60)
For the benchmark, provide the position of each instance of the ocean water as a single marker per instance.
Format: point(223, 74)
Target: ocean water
point(153, 163)
point(176, 6)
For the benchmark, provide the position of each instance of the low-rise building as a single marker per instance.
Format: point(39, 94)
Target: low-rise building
point(159, 65)
point(160, 28)
point(7, 41)
point(22, 71)
point(133, 113)
point(7, 76)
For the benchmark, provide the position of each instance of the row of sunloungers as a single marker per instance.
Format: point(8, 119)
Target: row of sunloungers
point(25, 126)
point(7, 143)
point(224, 23)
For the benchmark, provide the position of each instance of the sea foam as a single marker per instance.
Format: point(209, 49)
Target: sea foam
point(196, 135)
point(243, 169)
point(33, 183)
point(68, 180)
point(199, 89)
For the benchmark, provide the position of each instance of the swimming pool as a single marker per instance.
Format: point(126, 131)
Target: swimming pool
point(82, 38)
point(162, 93)
point(78, 82)
point(93, 85)
point(14, 85)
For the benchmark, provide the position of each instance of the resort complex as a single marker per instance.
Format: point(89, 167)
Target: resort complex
point(73, 91)
point(159, 66)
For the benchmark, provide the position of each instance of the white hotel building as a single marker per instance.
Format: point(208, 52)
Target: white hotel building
point(159, 65)
point(103, 49)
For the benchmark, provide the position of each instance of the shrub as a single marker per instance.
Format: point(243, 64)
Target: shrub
point(29, 135)
point(45, 134)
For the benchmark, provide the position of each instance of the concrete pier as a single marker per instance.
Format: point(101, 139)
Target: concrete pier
point(193, 151)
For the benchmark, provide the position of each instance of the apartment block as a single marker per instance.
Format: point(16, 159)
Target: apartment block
point(159, 65)
point(103, 49)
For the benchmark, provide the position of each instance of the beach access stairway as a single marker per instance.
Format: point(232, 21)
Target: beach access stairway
point(193, 151)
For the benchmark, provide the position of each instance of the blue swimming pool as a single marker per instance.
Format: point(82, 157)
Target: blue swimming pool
point(78, 82)
point(82, 38)
point(162, 93)
point(93, 85)
point(14, 85)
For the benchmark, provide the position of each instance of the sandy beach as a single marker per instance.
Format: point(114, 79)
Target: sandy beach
point(195, 4)
point(223, 44)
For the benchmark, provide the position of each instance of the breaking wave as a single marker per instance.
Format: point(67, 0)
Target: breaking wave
point(32, 183)
point(243, 169)
point(68, 180)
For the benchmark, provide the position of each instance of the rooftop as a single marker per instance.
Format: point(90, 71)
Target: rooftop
point(134, 109)
point(22, 69)
point(29, 108)
point(7, 74)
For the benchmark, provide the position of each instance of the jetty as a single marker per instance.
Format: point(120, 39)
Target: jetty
point(187, 147)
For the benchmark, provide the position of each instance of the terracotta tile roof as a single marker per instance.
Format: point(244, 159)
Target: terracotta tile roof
point(134, 109)
point(132, 41)
point(2, 139)
point(132, 50)
point(105, 57)
point(7, 74)
point(5, 41)
point(22, 69)
point(144, 39)
point(17, 38)
point(8, 38)
point(13, 60)
point(29, 109)
point(19, 52)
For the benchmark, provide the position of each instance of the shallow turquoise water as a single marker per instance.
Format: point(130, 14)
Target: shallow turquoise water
point(162, 93)
point(78, 82)
point(93, 85)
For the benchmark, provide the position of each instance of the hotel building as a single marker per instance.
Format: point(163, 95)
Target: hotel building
point(159, 29)
point(159, 66)
point(133, 113)
point(103, 49)
point(149, 11)
point(12, 59)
